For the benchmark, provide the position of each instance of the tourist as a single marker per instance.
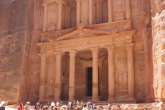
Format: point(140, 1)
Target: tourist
point(55, 108)
point(85, 107)
point(109, 107)
point(90, 106)
point(41, 106)
point(2, 107)
point(37, 106)
point(118, 107)
point(94, 106)
point(52, 104)
point(20, 107)
point(28, 106)
point(63, 107)
point(69, 104)
point(45, 107)
point(101, 108)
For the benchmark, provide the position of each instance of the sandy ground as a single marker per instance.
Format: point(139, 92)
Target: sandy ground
point(9, 108)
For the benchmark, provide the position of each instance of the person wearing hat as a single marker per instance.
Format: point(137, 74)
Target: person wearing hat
point(90, 106)
point(20, 107)
point(85, 107)
point(118, 107)
point(27, 106)
point(37, 106)
point(101, 108)
point(109, 107)
point(52, 104)
point(2, 107)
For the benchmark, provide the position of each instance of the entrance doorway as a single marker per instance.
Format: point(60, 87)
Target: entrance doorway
point(89, 82)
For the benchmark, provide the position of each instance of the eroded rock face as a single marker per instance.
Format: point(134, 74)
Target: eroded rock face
point(20, 63)
point(158, 23)
point(14, 49)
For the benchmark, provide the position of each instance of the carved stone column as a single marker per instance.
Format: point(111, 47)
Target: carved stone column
point(110, 10)
point(42, 77)
point(60, 2)
point(78, 12)
point(72, 75)
point(45, 17)
point(57, 89)
point(101, 11)
point(128, 9)
point(95, 51)
point(98, 11)
point(130, 64)
point(68, 16)
point(111, 74)
point(90, 12)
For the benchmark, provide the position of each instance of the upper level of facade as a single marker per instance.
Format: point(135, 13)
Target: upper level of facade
point(64, 14)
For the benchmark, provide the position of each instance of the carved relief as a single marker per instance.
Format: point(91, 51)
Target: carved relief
point(84, 19)
point(52, 17)
point(5, 64)
point(51, 82)
point(122, 81)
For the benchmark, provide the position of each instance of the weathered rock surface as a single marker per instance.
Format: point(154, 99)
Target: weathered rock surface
point(158, 23)
point(20, 31)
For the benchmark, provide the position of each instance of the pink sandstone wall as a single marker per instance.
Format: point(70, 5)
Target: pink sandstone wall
point(15, 46)
point(157, 10)
point(26, 32)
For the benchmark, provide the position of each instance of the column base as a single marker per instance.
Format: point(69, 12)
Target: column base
point(131, 99)
point(94, 100)
point(111, 99)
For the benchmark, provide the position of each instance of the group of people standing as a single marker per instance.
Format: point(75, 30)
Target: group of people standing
point(75, 105)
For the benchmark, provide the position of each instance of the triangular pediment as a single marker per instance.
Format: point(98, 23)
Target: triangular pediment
point(84, 32)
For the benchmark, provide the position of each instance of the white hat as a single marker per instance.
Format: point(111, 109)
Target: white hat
point(28, 103)
point(3, 102)
point(52, 104)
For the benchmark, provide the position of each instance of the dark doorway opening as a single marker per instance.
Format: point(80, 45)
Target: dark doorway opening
point(89, 82)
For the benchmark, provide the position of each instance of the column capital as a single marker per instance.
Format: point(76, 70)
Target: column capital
point(60, 1)
point(45, 4)
point(58, 53)
point(42, 54)
point(129, 46)
point(78, 0)
point(94, 49)
point(73, 52)
point(109, 47)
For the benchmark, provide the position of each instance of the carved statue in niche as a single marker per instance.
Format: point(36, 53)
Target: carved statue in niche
point(122, 81)
point(51, 82)
point(84, 19)
point(53, 16)
point(52, 20)
point(119, 6)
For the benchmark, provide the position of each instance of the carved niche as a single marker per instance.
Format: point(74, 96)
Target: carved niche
point(52, 16)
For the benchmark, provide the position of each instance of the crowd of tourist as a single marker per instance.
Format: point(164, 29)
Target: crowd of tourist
point(75, 105)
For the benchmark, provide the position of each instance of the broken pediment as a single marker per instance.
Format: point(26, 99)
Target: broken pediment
point(82, 32)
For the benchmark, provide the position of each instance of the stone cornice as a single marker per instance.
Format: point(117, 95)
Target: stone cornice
point(112, 27)
point(84, 43)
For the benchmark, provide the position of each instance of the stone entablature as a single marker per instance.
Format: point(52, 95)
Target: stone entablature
point(112, 27)
point(81, 43)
